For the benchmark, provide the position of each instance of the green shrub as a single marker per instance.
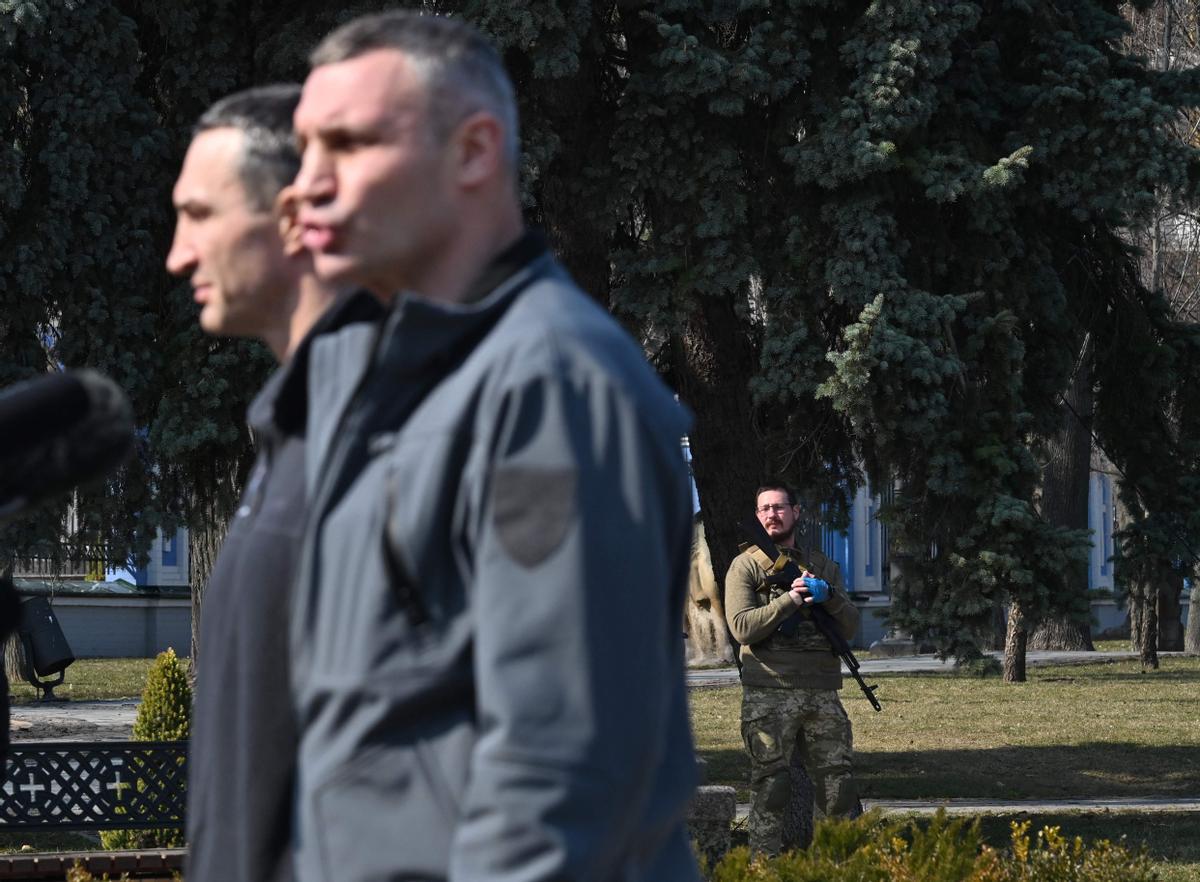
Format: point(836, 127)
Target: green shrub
point(165, 714)
point(79, 873)
point(872, 849)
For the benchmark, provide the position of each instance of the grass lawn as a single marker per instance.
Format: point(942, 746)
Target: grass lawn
point(94, 678)
point(1084, 731)
point(1075, 731)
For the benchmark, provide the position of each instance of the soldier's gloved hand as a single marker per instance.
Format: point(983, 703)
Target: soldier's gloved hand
point(818, 588)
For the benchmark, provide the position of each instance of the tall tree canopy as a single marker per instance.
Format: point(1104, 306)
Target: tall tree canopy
point(96, 107)
point(855, 236)
point(1006, 148)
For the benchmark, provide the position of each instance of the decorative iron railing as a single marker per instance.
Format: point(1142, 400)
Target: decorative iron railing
point(94, 785)
point(69, 560)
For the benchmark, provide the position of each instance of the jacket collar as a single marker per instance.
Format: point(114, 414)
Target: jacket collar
point(437, 335)
point(281, 407)
point(508, 262)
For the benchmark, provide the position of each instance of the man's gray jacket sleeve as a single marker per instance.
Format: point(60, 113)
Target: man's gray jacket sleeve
point(581, 532)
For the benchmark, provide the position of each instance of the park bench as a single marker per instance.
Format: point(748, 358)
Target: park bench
point(100, 785)
point(92, 786)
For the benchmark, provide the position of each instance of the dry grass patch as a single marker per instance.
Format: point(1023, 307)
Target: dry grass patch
point(91, 679)
point(1101, 730)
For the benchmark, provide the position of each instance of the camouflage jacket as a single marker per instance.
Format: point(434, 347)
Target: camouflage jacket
point(755, 610)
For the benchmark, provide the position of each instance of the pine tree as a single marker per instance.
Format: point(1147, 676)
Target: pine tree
point(982, 167)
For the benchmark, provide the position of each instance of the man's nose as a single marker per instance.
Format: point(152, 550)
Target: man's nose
point(315, 182)
point(181, 259)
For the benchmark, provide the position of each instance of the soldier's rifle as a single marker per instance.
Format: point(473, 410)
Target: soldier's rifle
point(784, 572)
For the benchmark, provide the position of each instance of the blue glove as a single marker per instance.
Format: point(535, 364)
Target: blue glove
point(818, 588)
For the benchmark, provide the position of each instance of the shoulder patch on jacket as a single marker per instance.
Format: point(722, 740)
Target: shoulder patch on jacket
point(531, 509)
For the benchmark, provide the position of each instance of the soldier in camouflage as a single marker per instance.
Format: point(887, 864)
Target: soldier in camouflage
point(790, 677)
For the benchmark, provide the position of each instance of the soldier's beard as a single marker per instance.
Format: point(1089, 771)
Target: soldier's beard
point(781, 534)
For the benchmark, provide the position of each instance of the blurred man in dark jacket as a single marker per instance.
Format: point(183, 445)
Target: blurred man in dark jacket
point(238, 245)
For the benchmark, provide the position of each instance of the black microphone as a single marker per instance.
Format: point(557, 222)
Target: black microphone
point(58, 431)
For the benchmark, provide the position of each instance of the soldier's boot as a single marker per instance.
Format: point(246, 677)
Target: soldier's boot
point(836, 793)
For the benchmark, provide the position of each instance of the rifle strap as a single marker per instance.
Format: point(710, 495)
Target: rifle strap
point(760, 557)
point(770, 567)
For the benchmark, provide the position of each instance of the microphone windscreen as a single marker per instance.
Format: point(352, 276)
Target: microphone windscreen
point(86, 430)
point(37, 410)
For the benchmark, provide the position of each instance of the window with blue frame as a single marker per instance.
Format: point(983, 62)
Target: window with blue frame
point(170, 555)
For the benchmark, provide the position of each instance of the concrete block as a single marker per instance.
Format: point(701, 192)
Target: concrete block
point(710, 817)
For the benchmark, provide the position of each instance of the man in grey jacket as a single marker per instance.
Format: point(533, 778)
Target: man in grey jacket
point(487, 665)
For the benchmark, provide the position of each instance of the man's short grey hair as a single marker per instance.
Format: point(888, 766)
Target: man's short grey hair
point(263, 115)
point(461, 69)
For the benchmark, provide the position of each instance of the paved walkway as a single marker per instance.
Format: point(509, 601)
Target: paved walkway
point(915, 663)
point(1139, 804)
point(1133, 805)
point(74, 720)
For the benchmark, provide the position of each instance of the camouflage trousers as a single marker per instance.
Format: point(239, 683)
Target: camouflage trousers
point(775, 722)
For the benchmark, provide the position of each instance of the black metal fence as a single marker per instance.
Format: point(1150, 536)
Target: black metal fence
point(94, 785)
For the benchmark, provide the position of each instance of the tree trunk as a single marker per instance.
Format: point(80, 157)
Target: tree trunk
point(1170, 612)
point(16, 664)
point(1191, 640)
point(204, 544)
point(1060, 632)
point(1134, 602)
point(712, 361)
point(1066, 480)
point(209, 513)
point(999, 636)
point(704, 614)
point(1014, 645)
point(1148, 631)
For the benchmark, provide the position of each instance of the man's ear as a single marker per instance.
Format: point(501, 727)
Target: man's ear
point(286, 205)
point(479, 149)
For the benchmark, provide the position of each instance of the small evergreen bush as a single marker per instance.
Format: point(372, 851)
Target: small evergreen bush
point(872, 849)
point(165, 714)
